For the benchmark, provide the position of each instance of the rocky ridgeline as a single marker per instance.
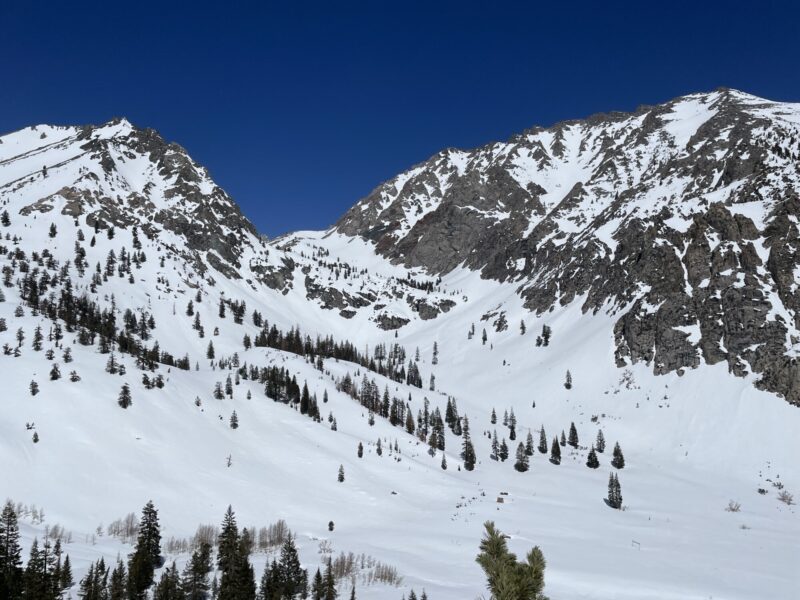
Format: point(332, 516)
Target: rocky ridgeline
point(117, 175)
point(680, 219)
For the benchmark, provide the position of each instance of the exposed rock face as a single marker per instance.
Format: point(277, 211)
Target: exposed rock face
point(681, 219)
point(119, 175)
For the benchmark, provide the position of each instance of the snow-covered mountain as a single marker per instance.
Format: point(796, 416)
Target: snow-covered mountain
point(679, 218)
point(660, 248)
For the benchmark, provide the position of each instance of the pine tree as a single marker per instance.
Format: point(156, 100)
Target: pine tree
point(329, 583)
point(210, 350)
point(614, 492)
point(493, 418)
point(34, 578)
point(591, 460)
point(116, 588)
point(529, 444)
point(305, 400)
point(169, 586)
point(65, 580)
point(495, 455)
point(467, 450)
point(340, 477)
point(573, 436)
point(522, 459)
point(238, 579)
point(618, 460)
point(317, 588)
point(503, 450)
point(568, 381)
point(555, 452)
point(508, 579)
point(542, 441)
point(146, 555)
point(293, 577)
point(55, 372)
point(36, 343)
point(563, 438)
point(194, 581)
point(360, 449)
point(600, 444)
point(125, 400)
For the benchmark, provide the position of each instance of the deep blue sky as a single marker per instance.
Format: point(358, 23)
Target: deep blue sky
point(300, 109)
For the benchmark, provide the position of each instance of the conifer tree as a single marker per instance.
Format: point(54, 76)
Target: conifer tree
point(493, 418)
point(555, 452)
point(563, 438)
point(522, 459)
point(467, 449)
point(195, 576)
point(614, 492)
point(503, 450)
point(317, 587)
point(542, 441)
point(238, 580)
point(340, 477)
point(210, 350)
point(600, 444)
point(125, 399)
point(529, 444)
point(360, 449)
point(35, 582)
point(618, 460)
point(591, 460)
point(568, 381)
point(495, 455)
point(116, 587)
point(329, 583)
point(65, 575)
point(293, 577)
point(573, 436)
point(36, 343)
point(146, 555)
point(507, 578)
point(169, 586)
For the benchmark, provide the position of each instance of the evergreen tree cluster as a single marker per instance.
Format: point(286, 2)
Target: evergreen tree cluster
point(46, 575)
